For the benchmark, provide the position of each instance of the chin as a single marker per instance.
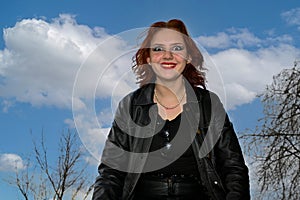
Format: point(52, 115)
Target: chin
point(168, 78)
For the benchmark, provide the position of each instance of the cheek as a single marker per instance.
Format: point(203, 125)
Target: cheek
point(180, 57)
point(155, 57)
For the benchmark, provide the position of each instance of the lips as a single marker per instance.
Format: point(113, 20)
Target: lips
point(168, 65)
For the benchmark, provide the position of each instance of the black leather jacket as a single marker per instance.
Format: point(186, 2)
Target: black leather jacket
point(216, 148)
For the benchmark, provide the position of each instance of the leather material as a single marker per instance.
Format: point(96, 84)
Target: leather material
point(173, 187)
point(216, 148)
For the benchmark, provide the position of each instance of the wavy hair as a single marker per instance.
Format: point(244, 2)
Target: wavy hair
point(193, 72)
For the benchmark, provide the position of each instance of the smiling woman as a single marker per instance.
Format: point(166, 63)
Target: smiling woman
point(243, 40)
point(168, 55)
point(171, 138)
point(168, 58)
point(180, 45)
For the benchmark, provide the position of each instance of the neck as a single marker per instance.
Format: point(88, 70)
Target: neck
point(169, 98)
point(165, 88)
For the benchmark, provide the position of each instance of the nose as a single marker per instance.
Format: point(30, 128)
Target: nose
point(168, 55)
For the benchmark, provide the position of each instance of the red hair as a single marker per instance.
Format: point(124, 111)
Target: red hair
point(193, 71)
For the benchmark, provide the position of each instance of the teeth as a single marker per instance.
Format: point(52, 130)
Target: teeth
point(168, 65)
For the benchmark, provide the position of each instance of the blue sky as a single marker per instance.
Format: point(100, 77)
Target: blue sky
point(49, 48)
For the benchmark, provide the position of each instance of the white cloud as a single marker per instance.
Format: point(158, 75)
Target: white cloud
point(92, 135)
point(6, 104)
point(221, 40)
point(245, 73)
point(292, 17)
point(246, 63)
point(44, 61)
point(240, 38)
point(11, 162)
point(41, 59)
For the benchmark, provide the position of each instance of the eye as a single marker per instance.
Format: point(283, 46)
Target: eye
point(157, 48)
point(177, 48)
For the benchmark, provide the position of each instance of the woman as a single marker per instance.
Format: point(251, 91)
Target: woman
point(171, 138)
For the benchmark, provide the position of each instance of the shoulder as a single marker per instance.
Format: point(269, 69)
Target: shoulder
point(206, 96)
point(139, 96)
point(211, 104)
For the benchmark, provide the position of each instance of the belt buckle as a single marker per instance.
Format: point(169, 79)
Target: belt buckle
point(171, 188)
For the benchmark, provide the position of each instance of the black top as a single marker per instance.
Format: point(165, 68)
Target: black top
point(186, 163)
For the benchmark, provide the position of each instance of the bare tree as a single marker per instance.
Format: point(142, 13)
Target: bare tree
point(67, 175)
point(69, 172)
point(28, 183)
point(275, 145)
point(22, 181)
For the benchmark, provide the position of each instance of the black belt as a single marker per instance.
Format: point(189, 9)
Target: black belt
point(173, 176)
point(162, 186)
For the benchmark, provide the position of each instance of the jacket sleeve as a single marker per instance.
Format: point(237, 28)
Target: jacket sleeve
point(109, 184)
point(230, 162)
point(110, 181)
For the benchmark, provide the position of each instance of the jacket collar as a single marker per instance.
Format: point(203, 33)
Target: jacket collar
point(144, 95)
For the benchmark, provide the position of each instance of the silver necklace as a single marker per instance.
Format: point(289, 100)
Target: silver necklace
point(167, 107)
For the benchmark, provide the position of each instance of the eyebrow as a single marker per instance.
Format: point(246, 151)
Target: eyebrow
point(177, 43)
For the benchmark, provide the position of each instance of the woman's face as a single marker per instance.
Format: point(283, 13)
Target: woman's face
point(168, 54)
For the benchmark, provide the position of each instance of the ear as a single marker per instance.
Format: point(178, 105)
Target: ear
point(148, 60)
point(189, 59)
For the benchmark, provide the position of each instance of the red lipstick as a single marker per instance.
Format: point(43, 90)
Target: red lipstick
point(168, 65)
